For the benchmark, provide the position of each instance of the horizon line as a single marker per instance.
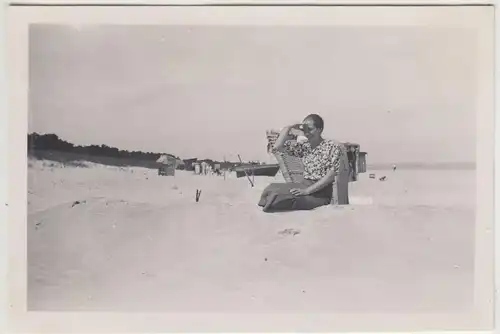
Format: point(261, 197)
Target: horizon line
point(370, 165)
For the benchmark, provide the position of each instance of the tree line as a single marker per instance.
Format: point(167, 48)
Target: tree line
point(38, 143)
point(52, 142)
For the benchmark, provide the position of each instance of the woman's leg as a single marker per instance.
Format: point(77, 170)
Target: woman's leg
point(309, 202)
point(266, 192)
point(288, 202)
point(279, 202)
point(279, 198)
point(282, 189)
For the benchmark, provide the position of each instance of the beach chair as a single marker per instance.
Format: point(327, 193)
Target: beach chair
point(292, 169)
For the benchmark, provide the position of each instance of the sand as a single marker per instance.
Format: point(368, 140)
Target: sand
point(125, 239)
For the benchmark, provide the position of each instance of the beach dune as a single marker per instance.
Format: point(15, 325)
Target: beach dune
point(125, 239)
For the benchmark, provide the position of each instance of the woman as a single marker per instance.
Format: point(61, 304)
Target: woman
point(322, 161)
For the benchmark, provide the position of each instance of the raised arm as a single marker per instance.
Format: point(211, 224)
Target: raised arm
point(284, 135)
point(285, 144)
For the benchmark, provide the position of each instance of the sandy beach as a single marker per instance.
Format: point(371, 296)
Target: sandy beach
point(125, 239)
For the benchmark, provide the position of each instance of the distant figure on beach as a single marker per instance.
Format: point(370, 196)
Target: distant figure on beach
point(351, 156)
point(394, 167)
point(204, 168)
point(217, 170)
point(322, 161)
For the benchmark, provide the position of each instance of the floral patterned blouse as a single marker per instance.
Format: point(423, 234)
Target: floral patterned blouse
point(320, 160)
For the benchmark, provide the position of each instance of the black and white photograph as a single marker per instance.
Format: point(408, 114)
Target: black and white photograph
point(258, 168)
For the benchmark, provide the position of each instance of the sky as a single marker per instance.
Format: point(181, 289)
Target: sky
point(405, 94)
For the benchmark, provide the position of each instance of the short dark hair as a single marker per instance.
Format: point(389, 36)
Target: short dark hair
point(317, 121)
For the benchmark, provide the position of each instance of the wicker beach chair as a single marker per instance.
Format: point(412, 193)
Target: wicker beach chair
point(292, 169)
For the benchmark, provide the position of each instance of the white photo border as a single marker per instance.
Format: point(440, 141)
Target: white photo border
point(480, 18)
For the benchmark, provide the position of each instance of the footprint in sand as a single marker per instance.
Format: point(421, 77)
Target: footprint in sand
point(289, 231)
point(78, 202)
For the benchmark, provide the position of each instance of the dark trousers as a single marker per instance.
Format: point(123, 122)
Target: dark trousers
point(277, 197)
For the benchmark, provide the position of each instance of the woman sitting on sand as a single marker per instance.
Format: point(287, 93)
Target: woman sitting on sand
point(322, 160)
